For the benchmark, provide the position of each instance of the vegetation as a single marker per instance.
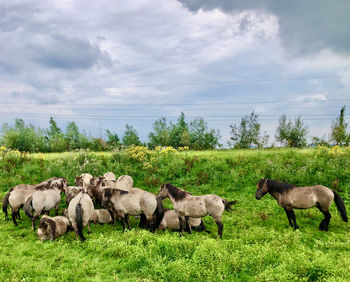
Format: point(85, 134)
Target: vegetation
point(339, 133)
point(291, 133)
point(257, 243)
point(247, 134)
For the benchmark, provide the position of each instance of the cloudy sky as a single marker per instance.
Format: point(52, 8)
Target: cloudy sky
point(107, 63)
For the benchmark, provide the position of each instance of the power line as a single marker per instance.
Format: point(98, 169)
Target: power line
point(211, 118)
point(223, 82)
point(180, 104)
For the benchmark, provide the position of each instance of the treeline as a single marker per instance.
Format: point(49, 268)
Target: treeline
point(195, 135)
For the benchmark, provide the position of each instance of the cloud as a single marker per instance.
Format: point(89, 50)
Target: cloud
point(306, 26)
point(100, 57)
point(68, 53)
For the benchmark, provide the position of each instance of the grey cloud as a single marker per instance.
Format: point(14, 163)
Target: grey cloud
point(305, 26)
point(69, 53)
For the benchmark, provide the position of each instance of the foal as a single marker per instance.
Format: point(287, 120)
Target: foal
point(292, 197)
point(186, 205)
point(52, 227)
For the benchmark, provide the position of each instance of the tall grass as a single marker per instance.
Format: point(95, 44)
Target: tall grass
point(257, 243)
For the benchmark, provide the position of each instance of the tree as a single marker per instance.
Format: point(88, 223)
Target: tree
point(72, 136)
point(112, 139)
point(291, 134)
point(179, 135)
point(201, 138)
point(54, 129)
point(24, 138)
point(339, 135)
point(130, 136)
point(247, 133)
point(160, 136)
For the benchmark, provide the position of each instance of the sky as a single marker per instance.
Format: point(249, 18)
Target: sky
point(106, 63)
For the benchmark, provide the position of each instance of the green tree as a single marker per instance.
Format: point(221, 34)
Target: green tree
point(247, 133)
point(160, 136)
point(54, 129)
point(201, 138)
point(130, 136)
point(113, 140)
point(24, 138)
point(291, 133)
point(339, 135)
point(72, 136)
point(179, 134)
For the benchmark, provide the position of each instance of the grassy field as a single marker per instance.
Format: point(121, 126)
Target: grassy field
point(257, 243)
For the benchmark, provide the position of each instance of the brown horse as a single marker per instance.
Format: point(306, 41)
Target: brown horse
point(171, 221)
point(133, 202)
point(291, 197)
point(80, 210)
point(18, 195)
point(52, 227)
point(186, 205)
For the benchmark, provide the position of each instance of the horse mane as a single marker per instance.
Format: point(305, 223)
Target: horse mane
point(277, 186)
point(177, 193)
point(45, 221)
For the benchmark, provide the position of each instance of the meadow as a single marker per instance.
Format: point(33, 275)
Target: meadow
point(257, 243)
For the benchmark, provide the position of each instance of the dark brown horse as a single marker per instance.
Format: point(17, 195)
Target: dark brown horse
point(291, 197)
point(186, 206)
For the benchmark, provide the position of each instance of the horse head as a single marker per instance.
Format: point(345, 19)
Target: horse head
point(262, 189)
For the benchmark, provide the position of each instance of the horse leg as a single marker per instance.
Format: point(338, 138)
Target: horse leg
point(325, 222)
point(220, 226)
point(127, 221)
point(14, 215)
point(36, 215)
point(201, 227)
point(57, 208)
point(182, 225)
point(143, 221)
point(289, 217)
point(292, 215)
point(327, 219)
point(74, 226)
point(188, 226)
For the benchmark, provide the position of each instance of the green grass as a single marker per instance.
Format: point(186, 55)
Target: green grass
point(257, 242)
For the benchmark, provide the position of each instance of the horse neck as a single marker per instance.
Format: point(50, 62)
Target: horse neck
point(276, 195)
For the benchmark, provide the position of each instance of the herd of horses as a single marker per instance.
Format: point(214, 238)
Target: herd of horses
point(118, 199)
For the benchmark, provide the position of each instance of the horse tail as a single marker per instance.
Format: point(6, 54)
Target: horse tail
point(228, 204)
point(159, 212)
point(28, 208)
point(340, 206)
point(5, 204)
point(79, 217)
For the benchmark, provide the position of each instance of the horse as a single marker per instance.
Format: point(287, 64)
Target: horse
point(290, 197)
point(18, 195)
point(80, 210)
point(124, 182)
point(71, 192)
point(110, 176)
point(52, 227)
point(83, 180)
point(95, 188)
point(101, 216)
point(171, 221)
point(186, 205)
point(41, 201)
point(134, 202)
